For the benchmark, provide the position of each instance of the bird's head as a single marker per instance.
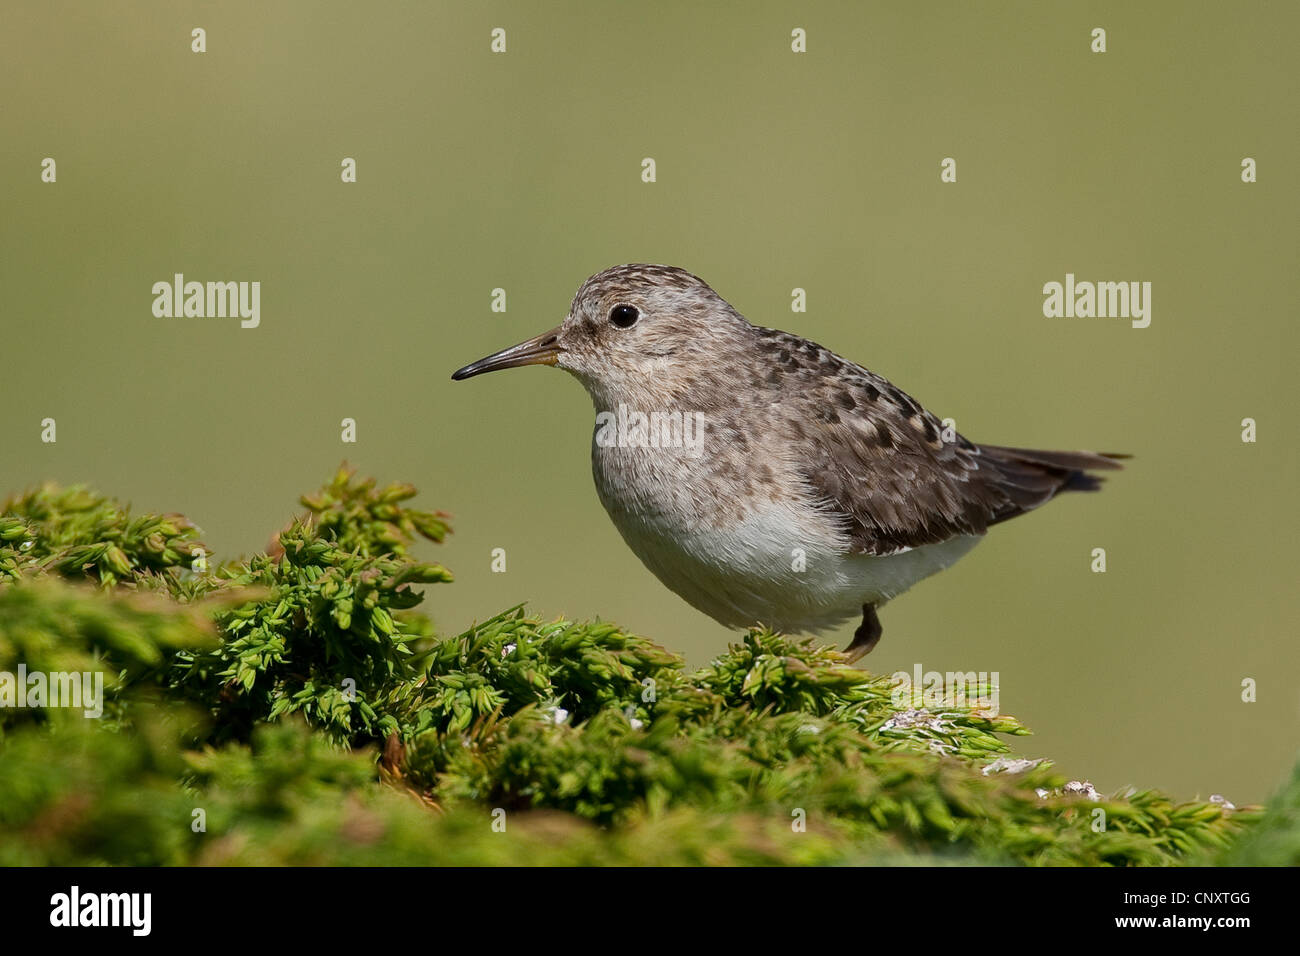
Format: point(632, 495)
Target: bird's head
point(628, 328)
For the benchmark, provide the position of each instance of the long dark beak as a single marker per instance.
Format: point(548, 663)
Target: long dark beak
point(542, 350)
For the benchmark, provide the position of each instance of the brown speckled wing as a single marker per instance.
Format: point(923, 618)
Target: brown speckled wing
point(879, 459)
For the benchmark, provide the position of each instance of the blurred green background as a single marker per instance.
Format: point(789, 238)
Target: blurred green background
point(775, 170)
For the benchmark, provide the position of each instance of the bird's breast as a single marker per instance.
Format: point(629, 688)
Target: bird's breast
point(736, 547)
point(687, 487)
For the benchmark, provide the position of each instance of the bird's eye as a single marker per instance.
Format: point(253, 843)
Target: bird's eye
point(624, 316)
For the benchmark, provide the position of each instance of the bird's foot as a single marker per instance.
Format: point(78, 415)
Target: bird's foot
point(867, 636)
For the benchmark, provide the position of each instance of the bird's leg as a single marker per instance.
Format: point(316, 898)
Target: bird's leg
point(866, 636)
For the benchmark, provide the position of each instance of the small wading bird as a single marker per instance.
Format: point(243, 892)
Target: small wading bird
point(819, 491)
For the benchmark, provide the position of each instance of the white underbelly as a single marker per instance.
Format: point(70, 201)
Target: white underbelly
point(776, 567)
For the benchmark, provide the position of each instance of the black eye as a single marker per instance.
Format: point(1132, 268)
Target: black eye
point(624, 316)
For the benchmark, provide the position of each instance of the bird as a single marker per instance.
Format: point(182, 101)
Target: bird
point(763, 478)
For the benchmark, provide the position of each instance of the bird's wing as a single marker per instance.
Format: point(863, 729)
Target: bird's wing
point(886, 466)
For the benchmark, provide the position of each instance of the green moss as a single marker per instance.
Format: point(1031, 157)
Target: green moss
point(301, 706)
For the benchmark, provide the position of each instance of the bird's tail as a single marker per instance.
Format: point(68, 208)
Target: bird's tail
point(1030, 477)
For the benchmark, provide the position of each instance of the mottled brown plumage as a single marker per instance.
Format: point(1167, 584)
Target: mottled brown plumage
point(807, 454)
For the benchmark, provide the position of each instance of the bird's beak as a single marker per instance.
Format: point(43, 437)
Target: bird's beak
point(542, 350)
